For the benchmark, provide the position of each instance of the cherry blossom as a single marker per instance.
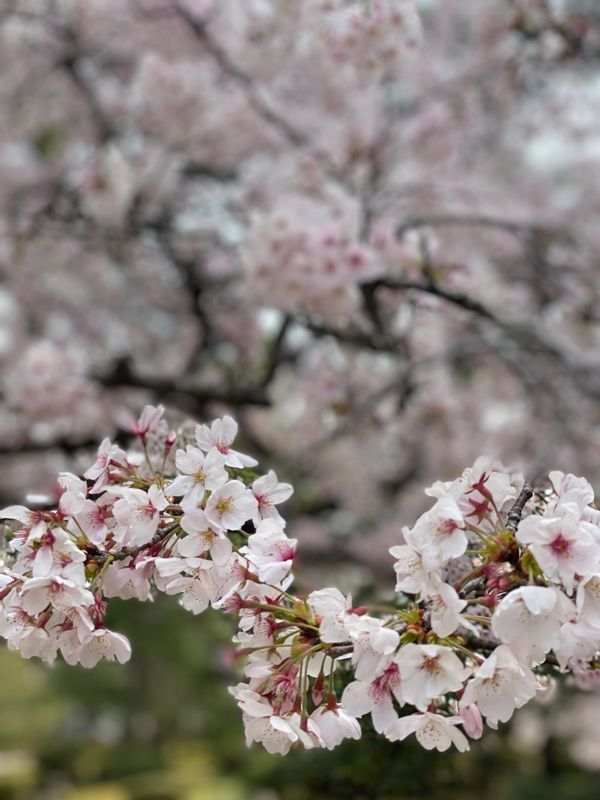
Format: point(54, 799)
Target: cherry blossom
point(221, 435)
point(202, 538)
point(433, 731)
point(564, 546)
point(375, 697)
point(332, 610)
point(137, 514)
point(148, 421)
point(109, 455)
point(533, 614)
point(588, 599)
point(428, 671)
point(269, 492)
point(38, 593)
point(103, 643)
point(335, 725)
point(440, 533)
point(411, 574)
point(501, 684)
point(270, 551)
point(476, 573)
point(199, 472)
point(230, 506)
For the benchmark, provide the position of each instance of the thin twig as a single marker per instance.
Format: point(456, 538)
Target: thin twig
point(516, 512)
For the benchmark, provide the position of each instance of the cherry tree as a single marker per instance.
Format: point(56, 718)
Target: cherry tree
point(367, 231)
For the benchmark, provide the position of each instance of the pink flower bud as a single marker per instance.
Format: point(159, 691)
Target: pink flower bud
point(170, 441)
point(472, 721)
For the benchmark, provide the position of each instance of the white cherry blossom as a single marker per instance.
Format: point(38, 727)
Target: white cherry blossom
point(440, 534)
point(203, 537)
point(375, 697)
point(446, 606)
point(38, 593)
point(221, 435)
point(270, 552)
point(103, 643)
point(109, 455)
point(269, 493)
point(533, 614)
point(373, 644)
point(335, 725)
point(427, 671)
point(433, 731)
point(199, 472)
point(409, 566)
point(332, 609)
point(562, 546)
point(137, 514)
point(588, 600)
point(230, 506)
point(499, 686)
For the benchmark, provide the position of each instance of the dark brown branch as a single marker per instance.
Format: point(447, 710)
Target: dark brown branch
point(518, 229)
point(516, 512)
point(167, 389)
point(131, 552)
point(276, 355)
point(70, 66)
point(456, 298)
point(63, 445)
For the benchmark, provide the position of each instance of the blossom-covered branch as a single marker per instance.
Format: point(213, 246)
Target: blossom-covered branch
point(497, 589)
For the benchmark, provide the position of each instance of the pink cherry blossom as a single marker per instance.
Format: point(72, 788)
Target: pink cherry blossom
point(269, 492)
point(375, 697)
point(221, 435)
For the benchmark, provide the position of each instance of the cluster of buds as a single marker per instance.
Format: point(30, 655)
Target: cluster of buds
point(497, 588)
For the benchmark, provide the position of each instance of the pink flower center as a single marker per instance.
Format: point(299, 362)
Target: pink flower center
point(561, 547)
point(447, 526)
point(382, 685)
point(285, 552)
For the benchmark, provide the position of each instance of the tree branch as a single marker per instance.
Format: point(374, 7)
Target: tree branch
point(514, 515)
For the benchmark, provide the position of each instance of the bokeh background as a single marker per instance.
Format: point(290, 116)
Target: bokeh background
point(369, 231)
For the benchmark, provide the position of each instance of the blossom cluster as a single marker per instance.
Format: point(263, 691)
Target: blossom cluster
point(372, 35)
point(497, 588)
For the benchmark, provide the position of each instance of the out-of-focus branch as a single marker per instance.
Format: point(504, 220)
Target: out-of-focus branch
point(70, 64)
point(459, 299)
point(102, 124)
point(67, 446)
point(519, 229)
point(244, 81)
point(526, 336)
point(181, 394)
point(276, 355)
